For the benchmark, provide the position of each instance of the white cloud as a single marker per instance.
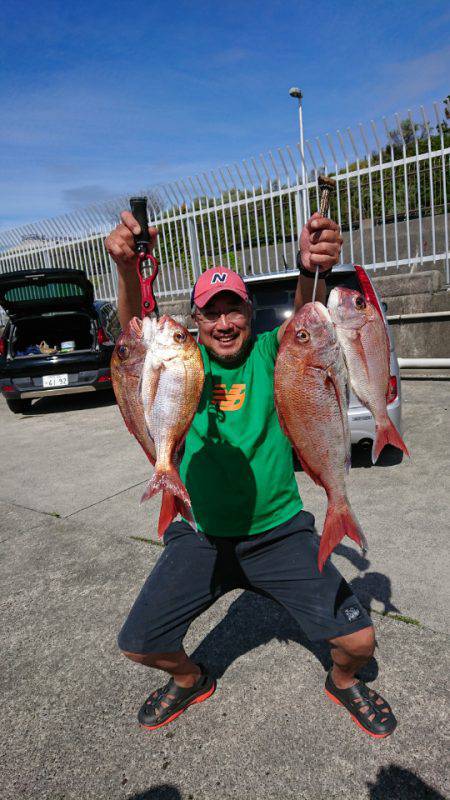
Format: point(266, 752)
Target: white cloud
point(405, 83)
point(230, 56)
point(81, 196)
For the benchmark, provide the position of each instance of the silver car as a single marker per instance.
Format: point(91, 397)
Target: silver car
point(273, 298)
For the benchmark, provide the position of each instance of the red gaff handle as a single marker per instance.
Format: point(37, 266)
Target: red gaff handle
point(148, 303)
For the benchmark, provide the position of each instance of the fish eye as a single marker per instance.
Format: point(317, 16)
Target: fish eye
point(302, 335)
point(360, 302)
point(123, 352)
point(179, 336)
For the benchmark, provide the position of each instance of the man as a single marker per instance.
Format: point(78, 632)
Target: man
point(252, 530)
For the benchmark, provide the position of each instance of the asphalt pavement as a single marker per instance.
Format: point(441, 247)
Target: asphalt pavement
point(75, 548)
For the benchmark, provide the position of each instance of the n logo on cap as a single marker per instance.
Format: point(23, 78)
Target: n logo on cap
point(219, 277)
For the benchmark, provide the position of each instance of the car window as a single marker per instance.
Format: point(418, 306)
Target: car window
point(273, 302)
point(37, 292)
point(110, 321)
point(347, 279)
point(266, 319)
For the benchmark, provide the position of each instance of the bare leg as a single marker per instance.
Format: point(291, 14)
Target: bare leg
point(349, 654)
point(184, 672)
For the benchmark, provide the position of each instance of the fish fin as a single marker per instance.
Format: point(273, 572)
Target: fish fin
point(135, 327)
point(342, 402)
point(185, 511)
point(127, 415)
point(281, 419)
point(166, 480)
point(151, 384)
point(168, 512)
point(339, 522)
point(348, 461)
point(387, 433)
point(306, 468)
point(175, 497)
point(171, 507)
point(363, 357)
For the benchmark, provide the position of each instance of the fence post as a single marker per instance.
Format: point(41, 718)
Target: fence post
point(299, 214)
point(194, 247)
point(248, 215)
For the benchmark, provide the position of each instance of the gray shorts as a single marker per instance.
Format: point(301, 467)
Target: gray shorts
point(194, 570)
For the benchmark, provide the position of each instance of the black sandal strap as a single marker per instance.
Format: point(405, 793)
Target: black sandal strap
point(167, 702)
point(371, 711)
point(171, 694)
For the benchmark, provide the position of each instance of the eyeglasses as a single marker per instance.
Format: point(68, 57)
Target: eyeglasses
point(211, 317)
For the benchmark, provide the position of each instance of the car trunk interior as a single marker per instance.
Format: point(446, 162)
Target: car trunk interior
point(53, 329)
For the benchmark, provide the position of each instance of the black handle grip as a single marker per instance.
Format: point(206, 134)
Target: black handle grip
point(138, 207)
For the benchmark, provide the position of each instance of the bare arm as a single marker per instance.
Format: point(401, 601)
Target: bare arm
point(120, 246)
point(320, 245)
point(129, 295)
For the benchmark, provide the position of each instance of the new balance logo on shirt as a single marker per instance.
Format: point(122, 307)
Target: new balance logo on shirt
point(229, 399)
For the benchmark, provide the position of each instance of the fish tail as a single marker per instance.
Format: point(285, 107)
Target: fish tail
point(387, 433)
point(171, 506)
point(339, 522)
point(175, 498)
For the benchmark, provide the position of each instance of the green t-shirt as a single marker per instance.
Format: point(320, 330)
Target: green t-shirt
point(237, 464)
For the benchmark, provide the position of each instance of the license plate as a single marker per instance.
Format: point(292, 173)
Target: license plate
point(49, 381)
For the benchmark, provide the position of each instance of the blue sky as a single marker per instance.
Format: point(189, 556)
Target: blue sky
point(101, 98)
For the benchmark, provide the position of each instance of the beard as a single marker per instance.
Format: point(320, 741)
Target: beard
point(234, 359)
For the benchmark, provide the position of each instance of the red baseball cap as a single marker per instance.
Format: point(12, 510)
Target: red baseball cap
point(215, 280)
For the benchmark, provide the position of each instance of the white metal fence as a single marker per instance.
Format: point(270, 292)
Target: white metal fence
point(391, 202)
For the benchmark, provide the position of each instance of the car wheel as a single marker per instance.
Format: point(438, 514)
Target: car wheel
point(19, 406)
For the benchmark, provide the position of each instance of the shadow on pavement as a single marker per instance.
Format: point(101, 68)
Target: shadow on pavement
point(397, 783)
point(252, 621)
point(164, 791)
point(369, 585)
point(71, 402)
point(362, 457)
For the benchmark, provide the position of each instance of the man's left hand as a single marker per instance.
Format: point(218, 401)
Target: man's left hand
point(320, 243)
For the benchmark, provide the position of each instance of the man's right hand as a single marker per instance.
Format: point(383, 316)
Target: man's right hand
point(120, 243)
point(120, 246)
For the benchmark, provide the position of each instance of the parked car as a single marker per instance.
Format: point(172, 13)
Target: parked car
point(273, 299)
point(57, 340)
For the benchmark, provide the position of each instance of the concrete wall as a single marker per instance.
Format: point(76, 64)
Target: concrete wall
point(268, 257)
point(420, 293)
point(415, 226)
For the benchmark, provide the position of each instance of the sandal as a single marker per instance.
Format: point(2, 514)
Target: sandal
point(168, 702)
point(367, 708)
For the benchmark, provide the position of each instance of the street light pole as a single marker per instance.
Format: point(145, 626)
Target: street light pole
point(296, 92)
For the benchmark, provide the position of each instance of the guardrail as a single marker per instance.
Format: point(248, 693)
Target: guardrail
point(391, 202)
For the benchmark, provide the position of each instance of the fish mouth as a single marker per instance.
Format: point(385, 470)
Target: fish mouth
point(331, 360)
point(315, 314)
point(333, 299)
point(342, 318)
point(342, 311)
point(149, 328)
point(353, 324)
point(317, 309)
point(136, 326)
point(322, 311)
